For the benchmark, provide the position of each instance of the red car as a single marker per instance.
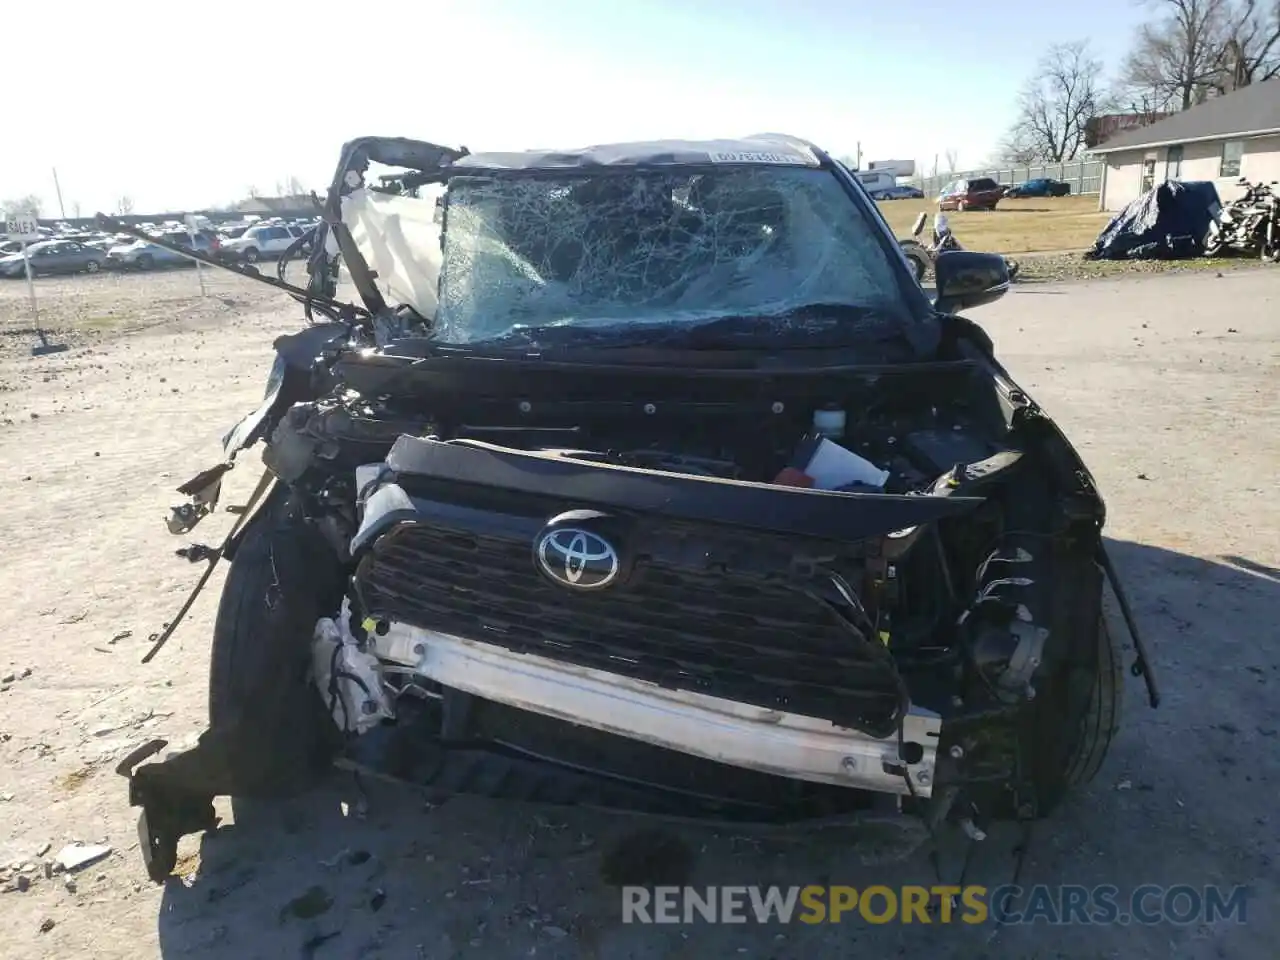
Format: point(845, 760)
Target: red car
point(981, 193)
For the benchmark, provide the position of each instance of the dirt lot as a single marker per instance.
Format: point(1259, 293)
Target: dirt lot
point(1042, 225)
point(1166, 383)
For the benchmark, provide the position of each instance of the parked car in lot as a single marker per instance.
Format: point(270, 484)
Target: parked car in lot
point(1040, 187)
point(141, 255)
point(980, 193)
point(264, 242)
point(899, 192)
point(54, 256)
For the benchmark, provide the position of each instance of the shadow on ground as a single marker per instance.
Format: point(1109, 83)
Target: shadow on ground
point(1186, 797)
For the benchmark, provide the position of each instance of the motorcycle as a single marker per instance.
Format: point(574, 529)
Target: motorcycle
point(1248, 225)
point(922, 255)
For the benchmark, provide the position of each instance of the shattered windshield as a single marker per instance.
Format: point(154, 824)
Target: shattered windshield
point(638, 248)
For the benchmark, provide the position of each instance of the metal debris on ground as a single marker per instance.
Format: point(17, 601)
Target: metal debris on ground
point(74, 855)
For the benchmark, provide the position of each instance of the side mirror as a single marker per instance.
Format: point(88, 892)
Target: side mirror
point(965, 279)
point(919, 223)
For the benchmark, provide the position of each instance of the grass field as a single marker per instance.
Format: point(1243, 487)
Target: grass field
point(1015, 226)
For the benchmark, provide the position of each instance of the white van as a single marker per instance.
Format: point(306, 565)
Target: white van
point(876, 181)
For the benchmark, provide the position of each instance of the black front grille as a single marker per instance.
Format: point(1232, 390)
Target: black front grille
point(744, 639)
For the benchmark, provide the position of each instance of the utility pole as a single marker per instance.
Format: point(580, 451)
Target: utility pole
point(62, 211)
point(859, 167)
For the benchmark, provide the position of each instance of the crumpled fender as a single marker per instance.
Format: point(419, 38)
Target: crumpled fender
point(289, 382)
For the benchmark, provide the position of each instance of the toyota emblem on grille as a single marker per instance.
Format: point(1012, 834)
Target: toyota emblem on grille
point(577, 558)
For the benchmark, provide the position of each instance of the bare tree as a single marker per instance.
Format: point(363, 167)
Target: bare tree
point(1194, 49)
point(254, 192)
point(1251, 50)
point(952, 157)
point(124, 205)
point(293, 187)
point(1055, 104)
point(28, 206)
point(75, 209)
point(1176, 59)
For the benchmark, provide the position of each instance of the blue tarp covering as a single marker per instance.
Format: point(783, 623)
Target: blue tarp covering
point(1168, 222)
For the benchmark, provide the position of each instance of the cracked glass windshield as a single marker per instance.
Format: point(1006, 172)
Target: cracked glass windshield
point(632, 250)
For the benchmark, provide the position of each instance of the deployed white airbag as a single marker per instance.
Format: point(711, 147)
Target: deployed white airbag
point(400, 239)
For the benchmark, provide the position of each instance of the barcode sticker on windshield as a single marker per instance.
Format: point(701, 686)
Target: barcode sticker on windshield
point(758, 157)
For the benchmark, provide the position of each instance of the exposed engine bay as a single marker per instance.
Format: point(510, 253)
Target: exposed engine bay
point(706, 614)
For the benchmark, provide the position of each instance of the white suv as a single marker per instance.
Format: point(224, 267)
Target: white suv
point(265, 241)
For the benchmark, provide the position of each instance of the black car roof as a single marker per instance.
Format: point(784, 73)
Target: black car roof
point(761, 149)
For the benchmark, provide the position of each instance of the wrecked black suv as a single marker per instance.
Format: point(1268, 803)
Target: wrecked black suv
point(646, 476)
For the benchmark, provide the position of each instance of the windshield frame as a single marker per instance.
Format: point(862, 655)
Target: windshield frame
point(431, 163)
point(916, 307)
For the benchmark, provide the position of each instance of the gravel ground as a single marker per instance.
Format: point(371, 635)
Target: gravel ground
point(1166, 384)
point(84, 310)
point(1047, 267)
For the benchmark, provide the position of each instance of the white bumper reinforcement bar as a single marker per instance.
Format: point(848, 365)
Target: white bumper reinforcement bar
point(739, 734)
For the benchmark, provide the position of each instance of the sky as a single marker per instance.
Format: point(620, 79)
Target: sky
point(183, 106)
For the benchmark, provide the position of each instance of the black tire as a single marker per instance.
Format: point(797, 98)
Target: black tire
point(92, 266)
point(1101, 720)
point(146, 262)
point(1089, 693)
point(919, 265)
point(251, 255)
point(283, 578)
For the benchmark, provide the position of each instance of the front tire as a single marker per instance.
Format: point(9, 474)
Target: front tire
point(283, 578)
point(251, 255)
point(1088, 697)
point(917, 258)
point(146, 262)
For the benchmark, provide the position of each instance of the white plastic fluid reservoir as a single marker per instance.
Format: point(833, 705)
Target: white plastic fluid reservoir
point(829, 422)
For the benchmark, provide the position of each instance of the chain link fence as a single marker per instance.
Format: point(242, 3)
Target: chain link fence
point(1085, 176)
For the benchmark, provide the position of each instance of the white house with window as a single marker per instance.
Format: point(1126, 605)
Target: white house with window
point(1223, 139)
